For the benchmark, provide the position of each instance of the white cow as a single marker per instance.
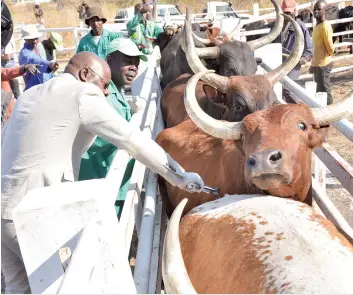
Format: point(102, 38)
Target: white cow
point(255, 244)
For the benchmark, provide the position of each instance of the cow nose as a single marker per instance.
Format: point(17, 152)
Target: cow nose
point(268, 158)
point(251, 161)
point(275, 157)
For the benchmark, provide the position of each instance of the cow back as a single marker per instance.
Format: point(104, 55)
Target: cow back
point(255, 244)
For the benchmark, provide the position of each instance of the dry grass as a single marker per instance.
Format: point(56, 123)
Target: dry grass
point(63, 13)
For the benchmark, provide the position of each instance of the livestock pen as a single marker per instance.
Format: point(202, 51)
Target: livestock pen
point(89, 253)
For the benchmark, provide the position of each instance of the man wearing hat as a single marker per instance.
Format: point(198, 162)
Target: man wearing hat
point(287, 38)
point(123, 58)
point(29, 54)
point(143, 31)
point(97, 39)
point(54, 42)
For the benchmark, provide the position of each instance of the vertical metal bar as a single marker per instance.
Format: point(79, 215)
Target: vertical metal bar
point(320, 168)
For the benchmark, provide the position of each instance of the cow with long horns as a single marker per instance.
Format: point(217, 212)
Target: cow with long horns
point(252, 244)
point(234, 58)
point(228, 98)
point(268, 152)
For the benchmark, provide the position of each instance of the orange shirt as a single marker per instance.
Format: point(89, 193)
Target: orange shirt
point(8, 74)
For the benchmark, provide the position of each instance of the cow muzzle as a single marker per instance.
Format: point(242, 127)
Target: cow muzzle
point(266, 169)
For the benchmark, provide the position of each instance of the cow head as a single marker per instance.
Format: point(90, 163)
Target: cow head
point(241, 95)
point(277, 141)
point(171, 29)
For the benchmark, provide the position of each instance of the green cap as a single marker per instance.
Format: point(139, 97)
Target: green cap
point(57, 40)
point(125, 46)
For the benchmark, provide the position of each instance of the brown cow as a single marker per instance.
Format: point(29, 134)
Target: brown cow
point(268, 152)
point(235, 58)
point(255, 244)
point(236, 96)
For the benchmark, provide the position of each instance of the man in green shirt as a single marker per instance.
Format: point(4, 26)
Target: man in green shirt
point(97, 39)
point(143, 31)
point(123, 58)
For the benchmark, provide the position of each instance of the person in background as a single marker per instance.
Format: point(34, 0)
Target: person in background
point(82, 12)
point(43, 142)
point(54, 42)
point(142, 30)
point(287, 39)
point(8, 61)
point(7, 75)
point(123, 58)
point(38, 13)
point(98, 38)
point(321, 64)
point(29, 54)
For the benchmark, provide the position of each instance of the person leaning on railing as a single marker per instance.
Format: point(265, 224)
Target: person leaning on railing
point(143, 31)
point(321, 64)
point(43, 142)
point(98, 39)
point(123, 58)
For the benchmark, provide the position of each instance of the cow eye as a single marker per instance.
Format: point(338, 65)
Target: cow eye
point(302, 126)
point(237, 108)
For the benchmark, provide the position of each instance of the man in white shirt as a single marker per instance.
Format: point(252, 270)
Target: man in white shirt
point(51, 126)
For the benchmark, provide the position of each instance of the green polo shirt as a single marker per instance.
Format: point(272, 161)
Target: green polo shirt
point(138, 31)
point(95, 163)
point(87, 43)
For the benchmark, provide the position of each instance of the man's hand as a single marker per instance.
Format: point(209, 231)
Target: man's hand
point(54, 66)
point(303, 61)
point(30, 68)
point(145, 9)
point(6, 57)
point(142, 46)
point(194, 178)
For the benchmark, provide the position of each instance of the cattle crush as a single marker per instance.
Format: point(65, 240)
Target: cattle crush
point(89, 254)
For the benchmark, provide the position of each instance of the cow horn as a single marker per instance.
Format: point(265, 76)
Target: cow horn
point(187, 43)
point(335, 112)
point(216, 128)
point(208, 52)
point(175, 277)
point(294, 57)
point(276, 30)
point(207, 42)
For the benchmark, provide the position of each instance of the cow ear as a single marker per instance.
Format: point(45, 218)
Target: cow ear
point(214, 95)
point(318, 136)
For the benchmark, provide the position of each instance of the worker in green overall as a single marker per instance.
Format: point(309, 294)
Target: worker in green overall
point(143, 31)
point(98, 38)
point(123, 58)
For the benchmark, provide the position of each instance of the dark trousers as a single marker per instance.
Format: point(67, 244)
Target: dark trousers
point(15, 86)
point(288, 96)
point(322, 76)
